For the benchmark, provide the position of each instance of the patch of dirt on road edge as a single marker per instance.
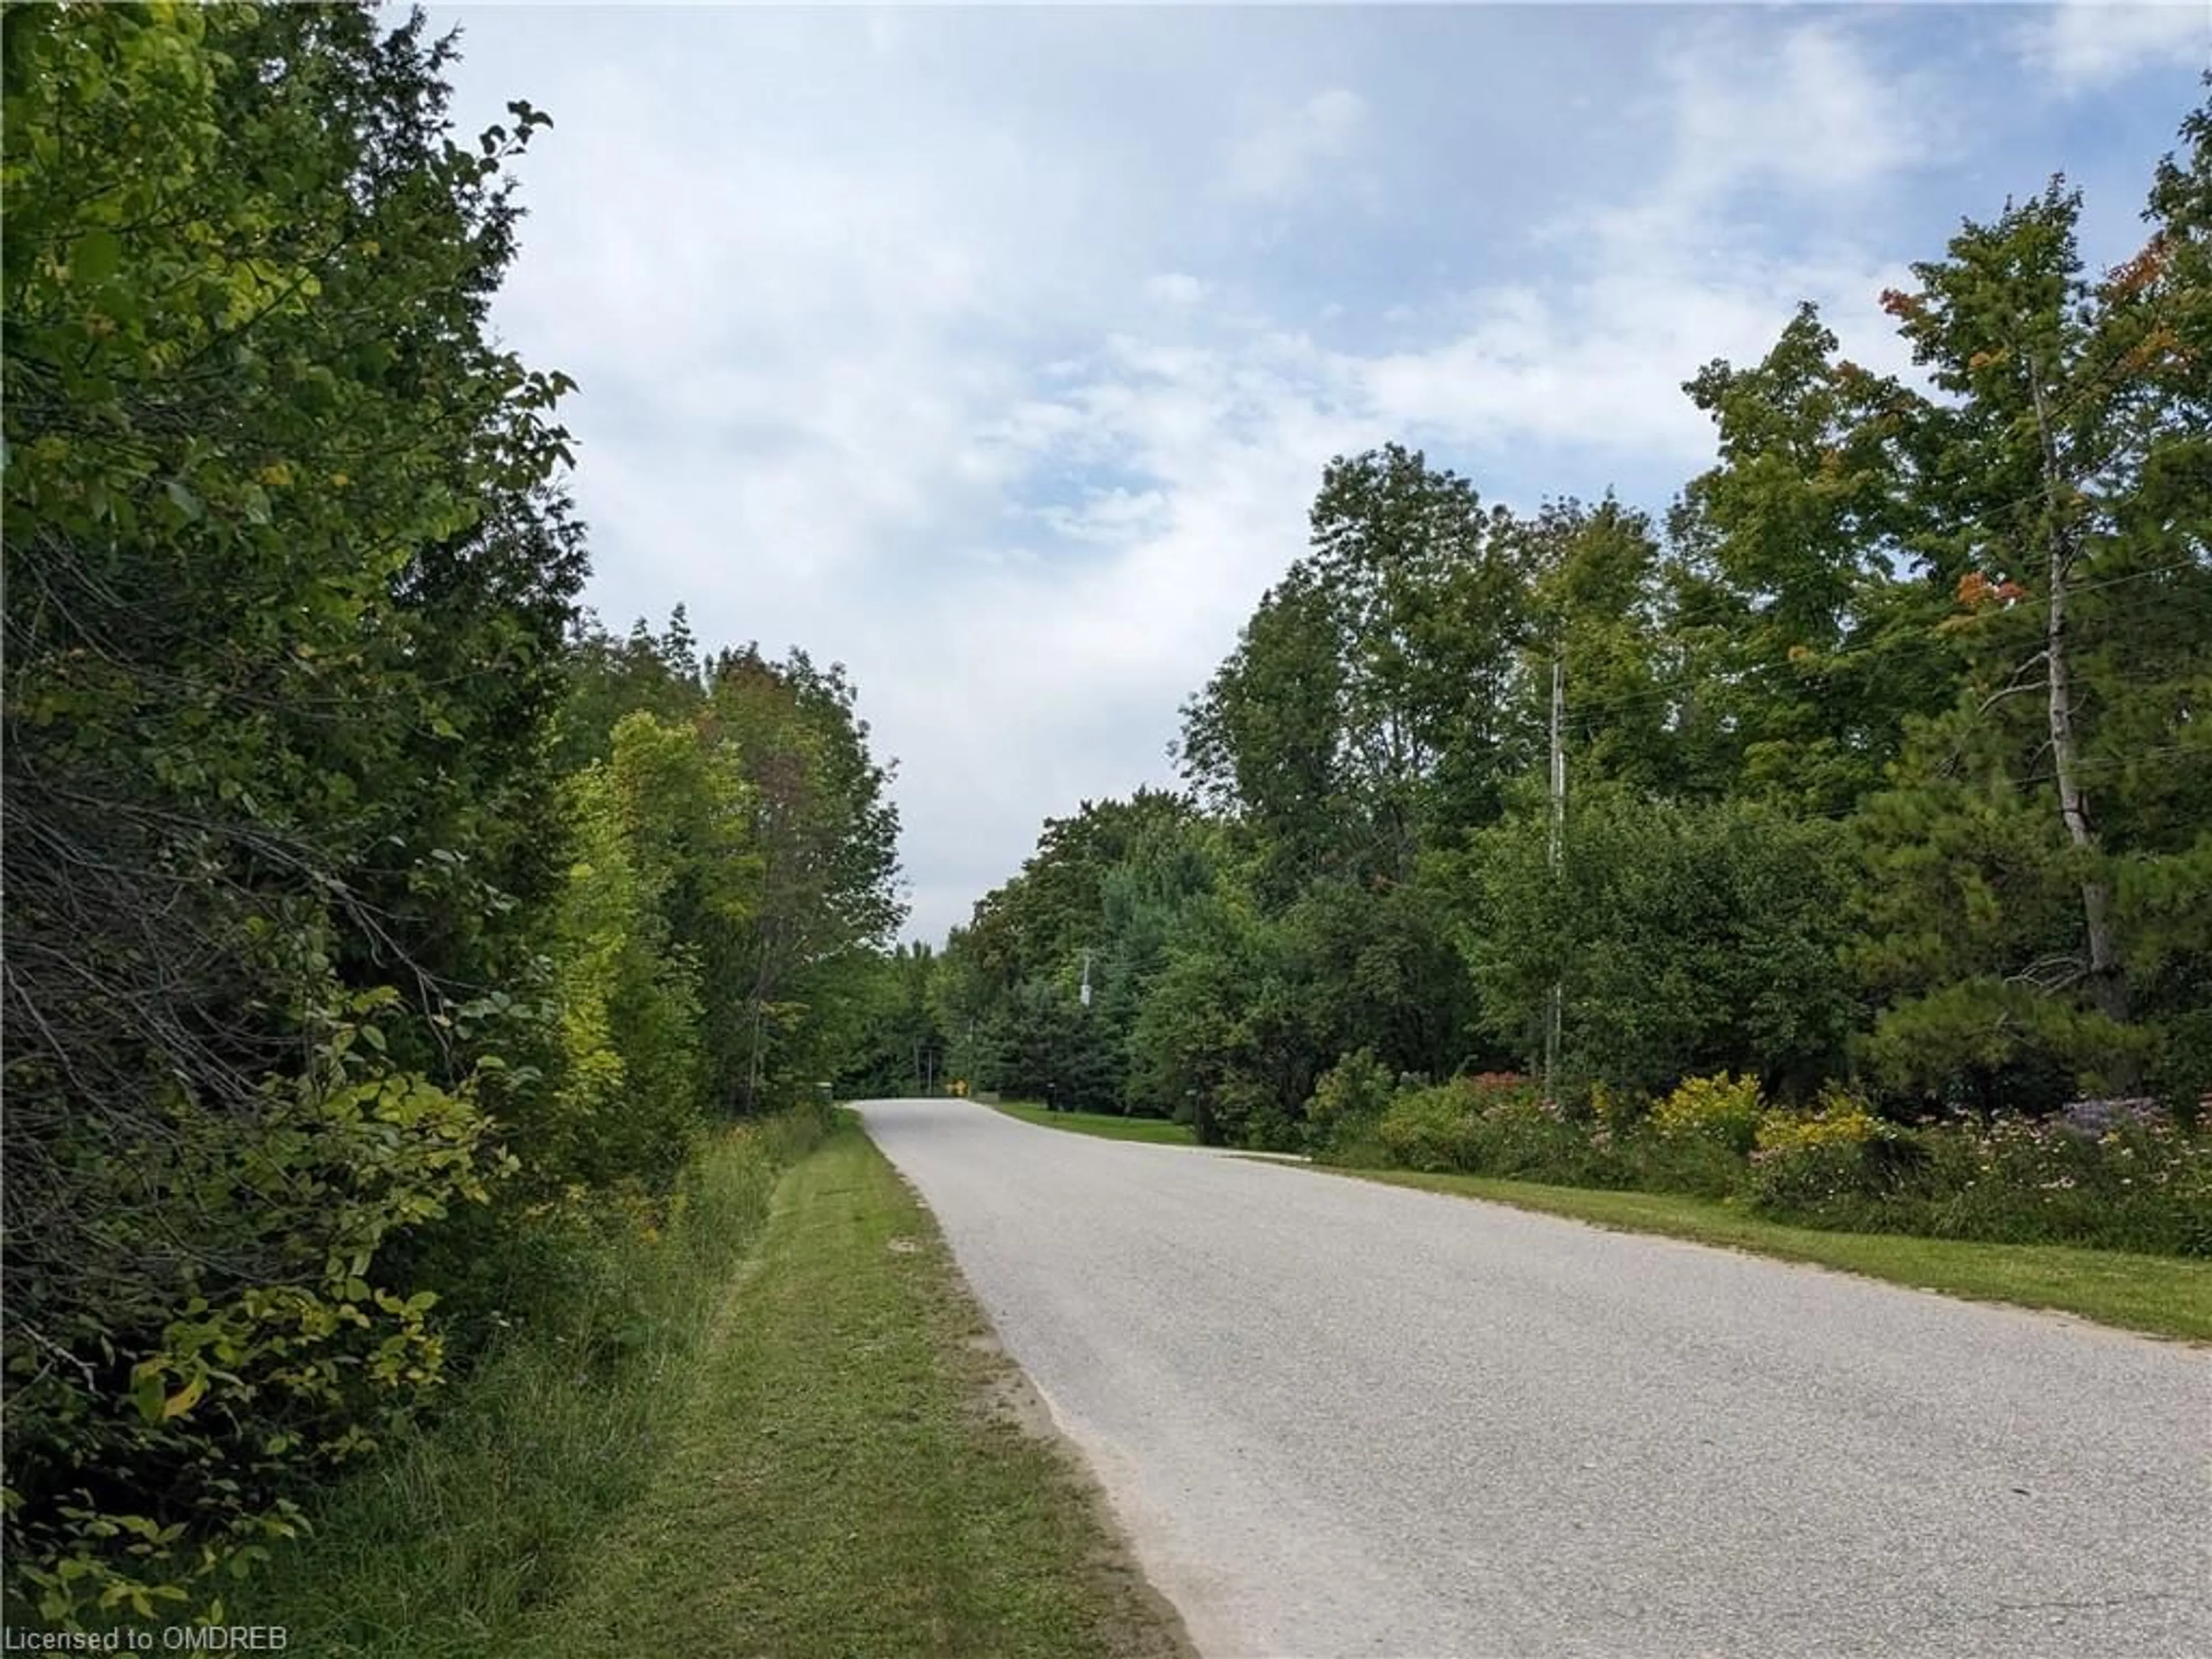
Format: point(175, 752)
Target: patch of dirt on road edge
point(1004, 1393)
point(1143, 1623)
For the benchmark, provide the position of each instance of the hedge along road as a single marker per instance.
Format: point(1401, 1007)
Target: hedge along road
point(1340, 1418)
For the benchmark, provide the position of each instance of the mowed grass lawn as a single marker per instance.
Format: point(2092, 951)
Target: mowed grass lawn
point(2162, 1296)
point(856, 1473)
point(1105, 1125)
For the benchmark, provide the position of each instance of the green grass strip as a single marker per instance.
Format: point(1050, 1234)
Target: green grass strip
point(854, 1472)
point(2161, 1296)
point(1105, 1125)
point(444, 1543)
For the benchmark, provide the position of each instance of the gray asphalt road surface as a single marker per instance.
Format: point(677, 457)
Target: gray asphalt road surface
point(1345, 1418)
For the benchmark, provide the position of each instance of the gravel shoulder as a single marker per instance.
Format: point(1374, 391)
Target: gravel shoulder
point(1340, 1418)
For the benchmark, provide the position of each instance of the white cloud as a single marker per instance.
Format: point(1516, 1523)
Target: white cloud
point(1280, 161)
point(1673, 274)
point(1108, 516)
point(2086, 45)
point(1173, 288)
point(1814, 114)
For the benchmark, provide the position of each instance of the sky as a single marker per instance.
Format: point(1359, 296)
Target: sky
point(996, 352)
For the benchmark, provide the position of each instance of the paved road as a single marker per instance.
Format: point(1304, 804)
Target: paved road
point(1340, 1418)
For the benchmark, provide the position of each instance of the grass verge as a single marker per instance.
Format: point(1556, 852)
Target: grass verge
point(2161, 1296)
point(441, 1548)
point(780, 1428)
point(1105, 1125)
point(854, 1474)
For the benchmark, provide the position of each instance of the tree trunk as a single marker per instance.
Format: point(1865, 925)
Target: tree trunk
point(2107, 985)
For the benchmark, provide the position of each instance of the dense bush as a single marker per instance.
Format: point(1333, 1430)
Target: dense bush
point(1683, 938)
point(2119, 1179)
point(1699, 1166)
point(355, 986)
point(2136, 1186)
point(471, 1518)
point(1515, 1132)
point(1349, 1100)
point(288, 573)
point(1803, 1161)
point(1429, 1129)
point(1497, 1124)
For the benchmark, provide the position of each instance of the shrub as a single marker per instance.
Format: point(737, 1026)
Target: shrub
point(497, 1502)
point(2140, 1184)
point(1497, 1124)
point(1348, 1103)
point(1518, 1135)
point(1489, 1088)
point(1722, 1109)
point(2115, 1176)
point(1619, 1114)
point(2095, 1116)
point(1840, 1118)
point(1270, 1129)
point(1696, 1165)
point(1429, 1129)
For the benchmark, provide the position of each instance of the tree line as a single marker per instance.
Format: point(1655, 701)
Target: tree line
point(1885, 749)
point(380, 930)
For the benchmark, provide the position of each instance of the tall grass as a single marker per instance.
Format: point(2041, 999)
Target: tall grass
point(440, 1548)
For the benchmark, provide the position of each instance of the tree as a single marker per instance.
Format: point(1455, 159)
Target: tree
point(1263, 741)
point(901, 1046)
point(1893, 760)
point(605, 678)
point(270, 487)
point(2083, 618)
point(1593, 598)
point(1367, 704)
point(827, 840)
point(659, 853)
point(1800, 627)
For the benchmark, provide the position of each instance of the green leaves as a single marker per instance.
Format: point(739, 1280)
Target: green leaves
point(1367, 704)
point(188, 505)
point(300, 593)
point(94, 257)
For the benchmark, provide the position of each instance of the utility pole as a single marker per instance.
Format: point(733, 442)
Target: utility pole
point(1557, 853)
